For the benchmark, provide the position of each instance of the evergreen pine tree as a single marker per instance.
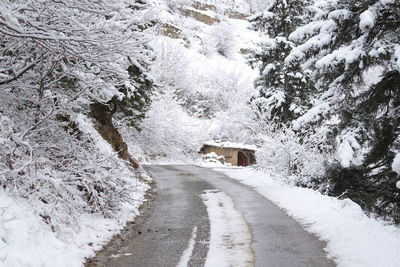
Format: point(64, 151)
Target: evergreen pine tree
point(135, 102)
point(349, 43)
point(282, 85)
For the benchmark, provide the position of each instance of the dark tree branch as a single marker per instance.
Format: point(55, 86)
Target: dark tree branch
point(22, 72)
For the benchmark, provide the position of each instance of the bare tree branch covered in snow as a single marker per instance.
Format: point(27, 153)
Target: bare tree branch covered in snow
point(83, 42)
point(57, 57)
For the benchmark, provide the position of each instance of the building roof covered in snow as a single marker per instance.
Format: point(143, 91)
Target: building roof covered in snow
point(228, 144)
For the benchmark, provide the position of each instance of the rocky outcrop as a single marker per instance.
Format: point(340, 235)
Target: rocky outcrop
point(199, 16)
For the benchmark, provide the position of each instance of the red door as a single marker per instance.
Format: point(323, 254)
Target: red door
point(242, 159)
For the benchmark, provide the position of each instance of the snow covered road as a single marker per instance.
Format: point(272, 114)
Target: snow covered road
point(203, 218)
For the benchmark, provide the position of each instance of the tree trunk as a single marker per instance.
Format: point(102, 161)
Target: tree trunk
point(102, 114)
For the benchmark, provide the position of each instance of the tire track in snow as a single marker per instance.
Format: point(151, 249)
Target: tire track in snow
point(230, 236)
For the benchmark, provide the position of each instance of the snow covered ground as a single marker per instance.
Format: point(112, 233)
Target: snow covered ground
point(353, 239)
point(27, 240)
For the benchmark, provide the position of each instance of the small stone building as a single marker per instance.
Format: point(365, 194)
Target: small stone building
point(235, 153)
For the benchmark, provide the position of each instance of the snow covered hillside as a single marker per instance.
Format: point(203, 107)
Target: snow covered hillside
point(65, 186)
point(204, 82)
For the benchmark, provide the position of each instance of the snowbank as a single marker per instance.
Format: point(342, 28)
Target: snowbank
point(26, 240)
point(353, 239)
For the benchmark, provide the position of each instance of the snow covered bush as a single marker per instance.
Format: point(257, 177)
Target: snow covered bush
point(299, 157)
point(16, 155)
point(79, 47)
point(168, 131)
point(61, 172)
point(221, 40)
point(63, 192)
point(171, 67)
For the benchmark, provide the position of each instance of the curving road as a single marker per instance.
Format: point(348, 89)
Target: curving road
point(175, 229)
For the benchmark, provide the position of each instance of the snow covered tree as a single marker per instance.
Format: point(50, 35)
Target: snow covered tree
point(354, 46)
point(136, 97)
point(84, 47)
point(256, 5)
point(56, 58)
point(297, 156)
point(222, 39)
point(283, 85)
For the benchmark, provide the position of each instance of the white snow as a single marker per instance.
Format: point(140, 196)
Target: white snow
point(313, 115)
point(26, 240)
point(367, 20)
point(340, 14)
point(353, 239)
point(348, 54)
point(36, 234)
point(230, 236)
point(187, 253)
point(211, 159)
point(86, 126)
point(346, 151)
point(396, 164)
point(228, 144)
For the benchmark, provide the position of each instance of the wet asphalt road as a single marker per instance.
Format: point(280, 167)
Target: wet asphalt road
point(162, 234)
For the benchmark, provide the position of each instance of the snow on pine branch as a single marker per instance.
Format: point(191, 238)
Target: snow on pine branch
point(339, 54)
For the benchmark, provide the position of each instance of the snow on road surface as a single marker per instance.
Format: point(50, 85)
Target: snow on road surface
point(353, 239)
point(230, 236)
point(185, 258)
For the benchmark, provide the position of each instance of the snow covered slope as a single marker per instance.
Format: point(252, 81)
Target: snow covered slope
point(38, 232)
point(203, 77)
